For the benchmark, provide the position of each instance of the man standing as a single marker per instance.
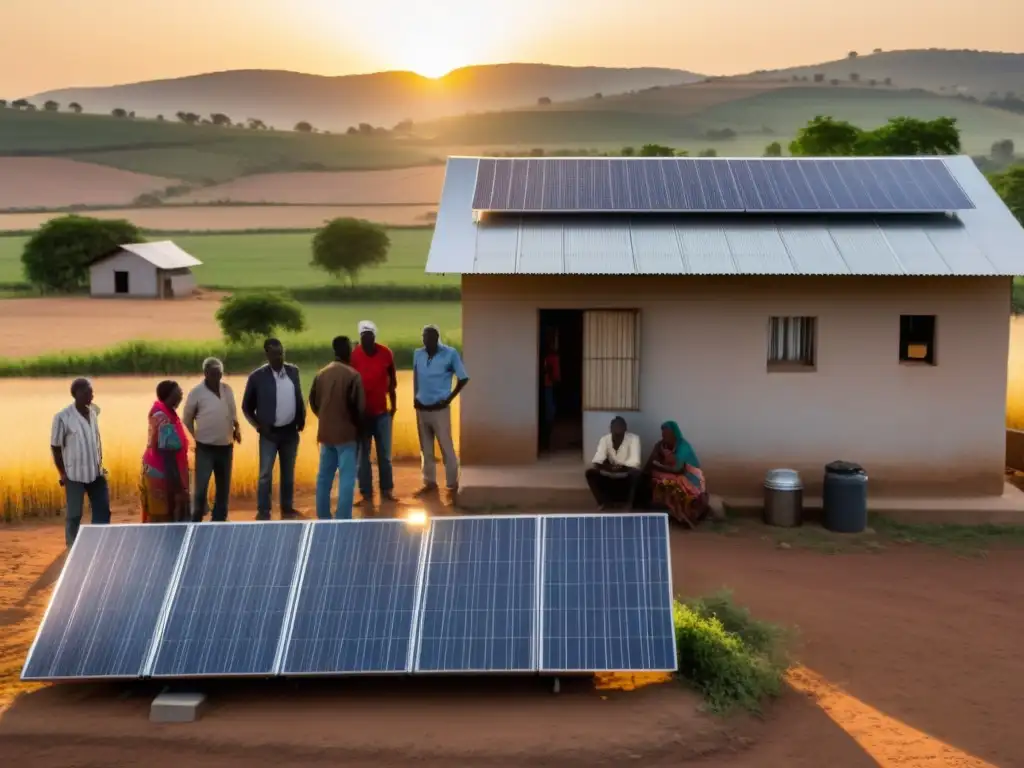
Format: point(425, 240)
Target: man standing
point(212, 405)
point(338, 401)
point(78, 455)
point(433, 366)
point(274, 406)
point(376, 367)
point(616, 471)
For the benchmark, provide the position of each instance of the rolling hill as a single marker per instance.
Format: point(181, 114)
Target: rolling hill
point(385, 98)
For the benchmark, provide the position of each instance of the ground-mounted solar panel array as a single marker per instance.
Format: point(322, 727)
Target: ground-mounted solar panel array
point(481, 595)
point(718, 185)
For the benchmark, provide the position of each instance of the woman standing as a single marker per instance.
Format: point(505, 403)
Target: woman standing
point(676, 479)
point(164, 487)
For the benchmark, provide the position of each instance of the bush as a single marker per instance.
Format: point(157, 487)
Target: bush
point(734, 660)
point(348, 245)
point(248, 316)
point(58, 255)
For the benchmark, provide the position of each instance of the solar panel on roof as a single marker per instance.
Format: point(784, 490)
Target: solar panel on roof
point(104, 611)
point(356, 601)
point(766, 185)
point(479, 604)
point(230, 602)
point(606, 596)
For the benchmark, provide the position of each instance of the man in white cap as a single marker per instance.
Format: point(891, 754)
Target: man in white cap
point(434, 365)
point(376, 366)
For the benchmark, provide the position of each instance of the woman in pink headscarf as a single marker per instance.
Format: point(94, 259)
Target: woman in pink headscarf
point(164, 487)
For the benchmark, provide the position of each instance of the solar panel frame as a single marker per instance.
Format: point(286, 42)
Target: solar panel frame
point(288, 634)
point(533, 667)
point(542, 669)
point(84, 533)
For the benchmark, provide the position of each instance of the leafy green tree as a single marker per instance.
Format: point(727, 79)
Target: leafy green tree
point(246, 317)
point(118, 112)
point(220, 119)
point(910, 136)
point(57, 257)
point(656, 150)
point(75, 107)
point(628, 152)
point(708, 153)
point(823, 136)
point(51, 106)
point(1003, 151)
point(255, 124)
point(346, 246)
point(1010, 186)
point(304, 127)
point(21, 104)
point(773, 150)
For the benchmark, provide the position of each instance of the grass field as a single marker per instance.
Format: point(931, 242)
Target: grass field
point(29, 483)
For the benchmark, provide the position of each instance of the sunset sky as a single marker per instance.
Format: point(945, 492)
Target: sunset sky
point(47, 44)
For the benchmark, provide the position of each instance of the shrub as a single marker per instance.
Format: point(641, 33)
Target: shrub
point(248, 316)
point(58, 255)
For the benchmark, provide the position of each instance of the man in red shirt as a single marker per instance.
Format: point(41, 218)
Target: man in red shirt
point(376, 367)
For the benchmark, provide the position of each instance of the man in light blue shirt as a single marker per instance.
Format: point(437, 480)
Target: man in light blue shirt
point(433, 366)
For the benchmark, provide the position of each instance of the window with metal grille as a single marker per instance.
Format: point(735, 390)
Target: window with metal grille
point(611, 360)
point(791, 342)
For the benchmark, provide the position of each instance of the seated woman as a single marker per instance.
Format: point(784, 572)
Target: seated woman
point(676, 479)
point(164, 486)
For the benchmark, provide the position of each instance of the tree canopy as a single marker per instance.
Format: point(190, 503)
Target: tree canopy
point(346, 246)
point(246, 317)
point(826, 136)
point(57, 257)
point(1010, 186)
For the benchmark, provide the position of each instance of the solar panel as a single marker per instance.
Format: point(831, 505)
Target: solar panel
point(106, 605)
point(606, 594)
point(356, 600)
point(479, 605)
point(230, 602)
point(708, 185)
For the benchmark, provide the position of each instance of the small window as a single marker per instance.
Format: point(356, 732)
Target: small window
point(791, 343)
point(917, 339)
point(120, 282)
point(611, 360)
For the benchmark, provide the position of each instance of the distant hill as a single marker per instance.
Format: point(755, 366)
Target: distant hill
point(975, 73)
point(334, 103)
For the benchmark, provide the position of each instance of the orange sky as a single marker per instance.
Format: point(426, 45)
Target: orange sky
point(48, 44)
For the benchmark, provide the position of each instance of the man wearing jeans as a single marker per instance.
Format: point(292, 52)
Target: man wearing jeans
point(274, 405)
point(78, 455)
point(211, 417)
point(433, 366)
point(376, 367)
point(337, 400)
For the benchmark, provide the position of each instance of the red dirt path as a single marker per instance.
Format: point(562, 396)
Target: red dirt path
point(911, 659)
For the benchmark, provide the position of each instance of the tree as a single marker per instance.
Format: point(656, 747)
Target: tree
point(255, 124)
point(598, 95)
point(708, 153)
point(773, 150)
point(352, 130)
point(825, 136)
point(118, 112)
point(627, 152)
point(220, 119)
point(189, 118)
point(852, 55)
point(404, 126)
point(58, 255)
point(910, 136)
point(346, 246)
point(877, 50)
point(656, 150)
point(20, 104)
point(1003, 151)
point(75, 107)
point(51, 106)
point(303, 127)
point(160, 118)
point(3, 103)
point(1010, 186)
point(544, 101)
point(365, 129)
point(819, 77)
point(246, 317)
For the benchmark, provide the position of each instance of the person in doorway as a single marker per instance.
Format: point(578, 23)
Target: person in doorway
point(78, 456)
point(337, 400)
point(551, 371)
point(274, 406)
point(164, 487)
point(433, 366)
point(676, 479)
point(615, 473)
point(376, 367)
point(211, 417)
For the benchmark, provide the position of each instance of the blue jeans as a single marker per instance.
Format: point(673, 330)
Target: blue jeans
point(99, 505)
point(379, 432)
point(274, 445)
point(212, 461)
point(340, 460)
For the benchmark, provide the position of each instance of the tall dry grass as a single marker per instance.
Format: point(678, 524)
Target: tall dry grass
point(28, 481)
point(1015, 376)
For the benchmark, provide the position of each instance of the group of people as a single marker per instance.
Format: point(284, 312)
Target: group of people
point(671, 477)
point(354, 399)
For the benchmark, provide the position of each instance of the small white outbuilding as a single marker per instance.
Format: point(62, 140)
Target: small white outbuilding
point(159, 270)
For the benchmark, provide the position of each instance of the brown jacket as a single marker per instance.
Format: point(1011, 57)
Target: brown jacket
point(338, 401)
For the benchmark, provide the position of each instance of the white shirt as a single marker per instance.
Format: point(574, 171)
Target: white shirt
point(79, 441)
point(285, 413)
point(211, 419)
point(628, 454)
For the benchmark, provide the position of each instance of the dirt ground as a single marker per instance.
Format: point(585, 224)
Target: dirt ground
point(37, 326)
point(50, 182)
point(906, 657)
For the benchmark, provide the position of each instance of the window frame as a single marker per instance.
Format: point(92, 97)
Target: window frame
point(597, 405)
point(931, 358)
point(782, 365)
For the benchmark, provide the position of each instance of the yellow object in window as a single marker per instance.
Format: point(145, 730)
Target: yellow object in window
point(917, 351)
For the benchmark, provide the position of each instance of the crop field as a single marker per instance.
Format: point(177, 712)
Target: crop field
point(53, 182)
point(29, 481)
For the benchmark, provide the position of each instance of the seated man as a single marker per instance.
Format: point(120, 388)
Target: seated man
point(616, 471)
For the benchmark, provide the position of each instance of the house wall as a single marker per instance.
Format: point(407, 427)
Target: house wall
point(703, 363)
point(183, 282)
point(142, 276)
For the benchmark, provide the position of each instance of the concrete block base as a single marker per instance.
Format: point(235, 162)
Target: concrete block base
point(176, 707)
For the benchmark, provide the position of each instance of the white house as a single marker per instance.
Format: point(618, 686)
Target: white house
point(859, 311)
point(159, 270)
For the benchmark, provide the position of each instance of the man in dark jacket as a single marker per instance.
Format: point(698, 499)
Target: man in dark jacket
point(273, 404)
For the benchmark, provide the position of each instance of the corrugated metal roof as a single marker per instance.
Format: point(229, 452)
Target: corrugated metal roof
point(987, 240)
point(163, 255)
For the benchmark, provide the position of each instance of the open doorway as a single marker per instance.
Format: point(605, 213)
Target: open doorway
point(560, 383)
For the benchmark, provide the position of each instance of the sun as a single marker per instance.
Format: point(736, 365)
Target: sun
point(433, 64)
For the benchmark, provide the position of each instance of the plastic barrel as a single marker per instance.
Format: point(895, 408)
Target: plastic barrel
point(845, 497)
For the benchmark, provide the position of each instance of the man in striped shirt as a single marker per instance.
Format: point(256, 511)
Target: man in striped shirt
point(78, 456)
